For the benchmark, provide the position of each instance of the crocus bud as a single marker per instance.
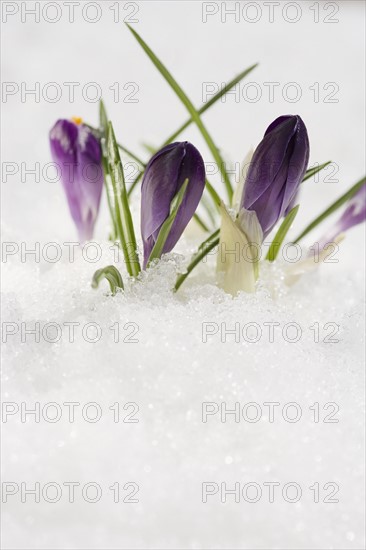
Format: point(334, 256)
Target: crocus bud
point(164, 176)
point(276, 170)
point(239, 251)
point(354, 214)
point(77, 152)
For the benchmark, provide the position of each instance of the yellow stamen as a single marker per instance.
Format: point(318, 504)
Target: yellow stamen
point(77, 119)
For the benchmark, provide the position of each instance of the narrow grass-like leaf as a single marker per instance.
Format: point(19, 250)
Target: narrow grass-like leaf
point(167, 225)
point(210, 189)
point(332, 208)
point(281, 234)
point(312, 171)
point(200, 222)
point(208, 207)
point(149, 148)
point(110, 195)
point(134, 183)
point(124, 223)
point(190, 108)
point(132, 155)
point(103, 126)
point(204, 248)
point(214, 195)
point(112, 275)
point(103, 118)
point(224, 90)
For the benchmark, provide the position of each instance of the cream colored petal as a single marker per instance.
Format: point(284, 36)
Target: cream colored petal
point(235, 265)
point(249, 224)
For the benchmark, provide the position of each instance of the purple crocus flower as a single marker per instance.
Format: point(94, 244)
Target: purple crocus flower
point(354, 214)
point(77, 152)
point(164, 176)
point(276, 170)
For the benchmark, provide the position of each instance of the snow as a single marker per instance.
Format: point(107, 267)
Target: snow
point(179, 365)
point(174, 368)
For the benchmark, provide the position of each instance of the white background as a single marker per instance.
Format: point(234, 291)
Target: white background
point(170, 372)
point(303, 52)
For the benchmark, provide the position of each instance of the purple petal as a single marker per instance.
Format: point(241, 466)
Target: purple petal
point(277, 122)
point(164, 176)
point(354, 214)
point(159, 185)
point(77, 152)
point(355, 211)
point(276, 170)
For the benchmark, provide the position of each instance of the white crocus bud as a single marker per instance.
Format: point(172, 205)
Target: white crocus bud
point(238, 254)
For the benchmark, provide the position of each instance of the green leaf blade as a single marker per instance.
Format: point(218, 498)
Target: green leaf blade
point(200, 222)
point(332, 208)
point(112, 275)
point(189, 106)
point(224, 90)
point(167, 225)
point(103, 118)
point(281, 234)
point(204, 248)
point(313, 171)
point(103, 126)
point(126, 232)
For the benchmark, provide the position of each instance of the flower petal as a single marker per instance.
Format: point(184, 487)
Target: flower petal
point(276, 171)
point(163, 178)
point(77, 152)
point(235, 265)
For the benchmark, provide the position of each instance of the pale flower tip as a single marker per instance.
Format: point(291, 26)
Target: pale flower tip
point(236, 270)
